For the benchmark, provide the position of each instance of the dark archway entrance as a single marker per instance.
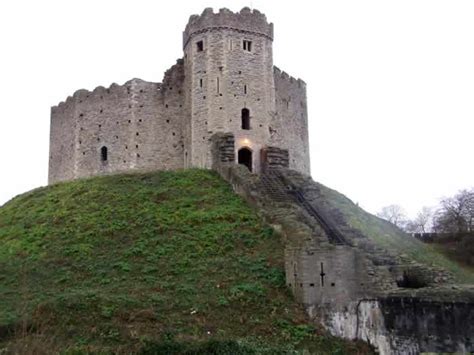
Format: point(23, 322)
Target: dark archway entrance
point(245, 157)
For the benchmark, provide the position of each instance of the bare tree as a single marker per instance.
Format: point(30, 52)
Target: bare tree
point(456, 214)
point(469, 211)
point(421, 223)
point(394, 214)
point(423, 219)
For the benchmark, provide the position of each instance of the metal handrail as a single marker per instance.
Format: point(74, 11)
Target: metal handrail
point(334, 236)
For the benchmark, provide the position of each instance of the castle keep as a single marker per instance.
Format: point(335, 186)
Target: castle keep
point(225, 106)
point(225, 82)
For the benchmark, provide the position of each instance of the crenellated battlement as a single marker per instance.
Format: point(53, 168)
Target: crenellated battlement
point(82, 95)
point(282, 76)
point(252, 21)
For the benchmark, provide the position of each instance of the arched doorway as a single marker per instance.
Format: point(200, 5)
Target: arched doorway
point(245, 157)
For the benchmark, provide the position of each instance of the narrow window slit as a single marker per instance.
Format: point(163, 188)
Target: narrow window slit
point(245, 118)
point(103, 154)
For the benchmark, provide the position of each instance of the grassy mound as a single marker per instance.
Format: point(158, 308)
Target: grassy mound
point(167, 262)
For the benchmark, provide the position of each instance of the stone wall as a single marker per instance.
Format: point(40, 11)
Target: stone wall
point(433, 320)
point(289, 124)
point(223, 148)
point(327, 276)
point(139, 123)
point(62, 141)
point(274, 158)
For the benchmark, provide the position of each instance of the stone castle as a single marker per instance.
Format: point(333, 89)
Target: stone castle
point(225, 82)
point(224, 106)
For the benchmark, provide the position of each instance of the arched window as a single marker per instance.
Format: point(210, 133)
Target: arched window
point(103, 154)
point(245, 118)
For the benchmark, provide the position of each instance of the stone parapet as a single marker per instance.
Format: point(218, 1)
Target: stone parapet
point(252, 21)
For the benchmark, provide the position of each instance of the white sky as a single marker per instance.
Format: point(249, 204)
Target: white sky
point(390, 83)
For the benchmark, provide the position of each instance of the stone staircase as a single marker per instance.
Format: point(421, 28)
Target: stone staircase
point(333, 234)
point(276, 189)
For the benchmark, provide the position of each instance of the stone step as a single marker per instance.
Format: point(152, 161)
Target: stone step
point(274, 187)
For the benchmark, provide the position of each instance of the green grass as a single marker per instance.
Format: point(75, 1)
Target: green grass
point(391, 238)
point(166, 262)
point(460, 250)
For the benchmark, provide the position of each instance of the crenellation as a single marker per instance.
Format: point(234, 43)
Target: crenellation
point(64, 103)
point(245, 21)
point(284, 76)
point(81, 94)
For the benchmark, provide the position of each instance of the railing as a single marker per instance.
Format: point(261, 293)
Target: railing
point(280, 191)
point(334, 236)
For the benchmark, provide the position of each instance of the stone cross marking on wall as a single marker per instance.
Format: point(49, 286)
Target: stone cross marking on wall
point(322, 274)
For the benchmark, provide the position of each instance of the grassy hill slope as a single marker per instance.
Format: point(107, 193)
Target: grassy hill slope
point(458, 247)
point(167, 262)
point(388, 236)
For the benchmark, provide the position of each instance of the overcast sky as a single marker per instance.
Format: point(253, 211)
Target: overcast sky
point(390, 83)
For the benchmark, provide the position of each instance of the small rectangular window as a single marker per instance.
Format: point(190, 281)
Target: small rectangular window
point(200, 83)
point(245, 118)
point(200, 46)
point(247, 45)
point(103, 154)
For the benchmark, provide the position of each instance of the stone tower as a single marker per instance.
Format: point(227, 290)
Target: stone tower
point(229, 64)
point(225, 83)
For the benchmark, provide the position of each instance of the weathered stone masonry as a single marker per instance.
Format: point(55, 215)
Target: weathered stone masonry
point(225, 77)
point(354, 288)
